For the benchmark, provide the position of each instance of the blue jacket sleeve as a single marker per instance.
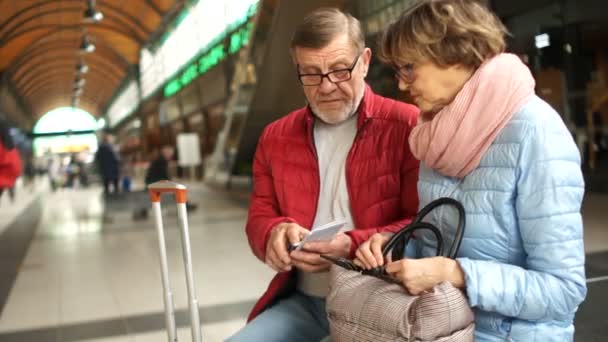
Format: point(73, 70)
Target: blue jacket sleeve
point(548, 199)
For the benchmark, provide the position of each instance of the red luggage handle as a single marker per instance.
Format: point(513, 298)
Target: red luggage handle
point(157, 189)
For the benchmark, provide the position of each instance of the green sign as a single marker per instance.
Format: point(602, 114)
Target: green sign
point(239, 38)
point(208, 60)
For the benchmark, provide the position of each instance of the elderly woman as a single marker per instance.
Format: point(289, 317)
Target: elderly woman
point(485, 139)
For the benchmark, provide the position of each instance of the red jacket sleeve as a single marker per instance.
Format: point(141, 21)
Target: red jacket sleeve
point(264, 212)
point(409, 199)
point(10, 166)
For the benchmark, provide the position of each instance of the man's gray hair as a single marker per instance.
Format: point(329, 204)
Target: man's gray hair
point(323, 25)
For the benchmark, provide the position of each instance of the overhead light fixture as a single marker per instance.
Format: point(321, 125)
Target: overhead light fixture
point(91, 14)
point(542, 41)
point(86, 46)
point(82, 68)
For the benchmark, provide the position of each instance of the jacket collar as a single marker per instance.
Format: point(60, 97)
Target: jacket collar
point(364, 111)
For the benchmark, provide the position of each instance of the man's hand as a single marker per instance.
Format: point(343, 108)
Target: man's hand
point(308, 258)
point(281, 236)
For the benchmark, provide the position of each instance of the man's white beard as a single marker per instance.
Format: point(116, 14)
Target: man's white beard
point(344, 115)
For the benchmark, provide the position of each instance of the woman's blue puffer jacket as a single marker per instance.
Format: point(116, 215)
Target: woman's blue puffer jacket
point(522, 252)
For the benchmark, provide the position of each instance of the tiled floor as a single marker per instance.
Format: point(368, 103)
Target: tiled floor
point(93, 275)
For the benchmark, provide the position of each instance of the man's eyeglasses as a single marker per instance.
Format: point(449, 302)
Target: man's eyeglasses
point(405, 73)
point(336, 76)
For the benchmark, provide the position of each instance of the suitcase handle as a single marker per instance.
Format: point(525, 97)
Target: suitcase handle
point(163, 187)
point(156, 190)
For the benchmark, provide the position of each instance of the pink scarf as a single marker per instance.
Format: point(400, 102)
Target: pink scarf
point(455, 139)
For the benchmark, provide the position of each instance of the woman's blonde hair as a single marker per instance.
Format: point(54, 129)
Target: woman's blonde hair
point(444, 32)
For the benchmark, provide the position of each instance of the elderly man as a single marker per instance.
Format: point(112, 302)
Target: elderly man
point(344, 156)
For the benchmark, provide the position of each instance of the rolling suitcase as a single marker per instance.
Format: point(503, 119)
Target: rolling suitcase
point(156, 191)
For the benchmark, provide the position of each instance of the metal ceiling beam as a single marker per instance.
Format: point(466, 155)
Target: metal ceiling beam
point(106, 63)
point(93, 110)
point(62, 71)
point(58, 55)
point(14, 33)
point(103, 54)
point(45, 50)
point(154, 7)
point(58, 78)
point(63, 64)
point(58, 97)
point(50, 50)
point(78, 28)
point(66, 66)
point(73, 76)
point(25, 107)
point(67, 99)
point(59, 82)
point(38, 5)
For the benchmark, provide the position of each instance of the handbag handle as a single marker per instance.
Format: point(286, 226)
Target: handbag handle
point(399, 241)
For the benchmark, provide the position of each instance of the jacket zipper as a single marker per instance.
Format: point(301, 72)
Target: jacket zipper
point(347, 173)
point(313, 147)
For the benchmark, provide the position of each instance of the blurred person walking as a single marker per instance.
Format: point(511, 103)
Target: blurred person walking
point(108, 162)
point(158, 171)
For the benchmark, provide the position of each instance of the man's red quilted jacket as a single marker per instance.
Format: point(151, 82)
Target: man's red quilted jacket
point(381, 176)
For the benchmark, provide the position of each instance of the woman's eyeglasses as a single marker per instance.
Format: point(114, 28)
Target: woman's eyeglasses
point(405, 73)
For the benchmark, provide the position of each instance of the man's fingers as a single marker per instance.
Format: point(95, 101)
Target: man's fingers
point(319, 247)
point(276, 263)
point(309, 262)
point(310, 268)
point(308, 258)
point(294, 235)
point(272, 265)
point(279, 246)
point(271, 260)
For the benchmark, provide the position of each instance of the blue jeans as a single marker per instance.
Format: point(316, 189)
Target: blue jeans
point(297, 318)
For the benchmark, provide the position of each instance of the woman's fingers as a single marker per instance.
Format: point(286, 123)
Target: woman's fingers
point(365, 256)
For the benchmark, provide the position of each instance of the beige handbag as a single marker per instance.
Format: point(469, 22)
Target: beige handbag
point(369, 306)
point(364, 308)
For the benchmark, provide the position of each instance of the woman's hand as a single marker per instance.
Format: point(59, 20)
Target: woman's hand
point(369, 254)
point(421, 275)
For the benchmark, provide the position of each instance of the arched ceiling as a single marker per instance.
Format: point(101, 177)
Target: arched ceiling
point(40, 40)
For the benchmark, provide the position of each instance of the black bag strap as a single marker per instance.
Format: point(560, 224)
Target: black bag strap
point(399, 241)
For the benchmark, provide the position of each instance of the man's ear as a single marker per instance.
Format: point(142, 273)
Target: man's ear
point(367, 58)
point(293, 55)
